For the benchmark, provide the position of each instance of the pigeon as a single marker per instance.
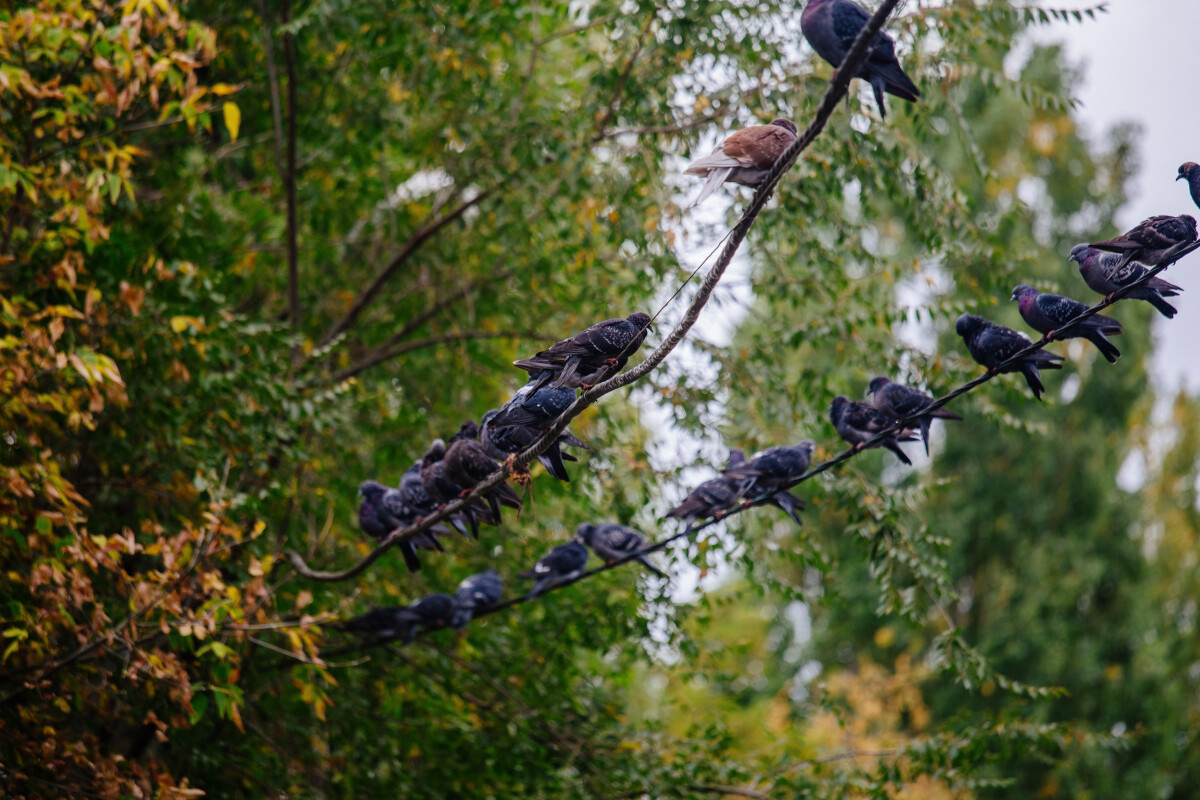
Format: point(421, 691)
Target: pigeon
point(522, 420)
point(403, 622)
point(745, 157)
point(613, 542)
point(381, 512)
point(857, 422)
point(713, 497)
point(418, 504)
point(1190, 171)
point(831, 27)
point(467, 464)
point(1046, 313)
point(901, 402)
point(991, 345)
point(443, 489)
point(770, 471)
point(591, 355)
point(1154, 241)
point(564, 563)
point(1104, 274)
point(475, 592)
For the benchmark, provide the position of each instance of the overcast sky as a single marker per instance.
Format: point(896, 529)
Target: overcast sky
point(1142, 63)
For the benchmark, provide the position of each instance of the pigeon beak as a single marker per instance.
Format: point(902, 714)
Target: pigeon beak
point(1180, 176)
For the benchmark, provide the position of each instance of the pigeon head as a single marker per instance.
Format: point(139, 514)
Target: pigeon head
point(468, 430)
point(837, 409)
point(807, 446)
point(488, 416)
point(435, 453)
point(790, 126)
point(1187, 169)
point(1080, 252)
point(736, 457)
point(640, 319)
point(1023, 289)
point(372, 490)
point(584, 532)
point(876, 384)
point(968, 323)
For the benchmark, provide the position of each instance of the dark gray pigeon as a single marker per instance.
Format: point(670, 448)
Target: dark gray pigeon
point(1153, 241)
point(476, 592)
point(991, 345)
point(564, 563)
point(770, 471)
point(613, 542)
point(418, 504)
point(443, 489)
point(591, 355)
point(1105, 274)
point(402, 622)
point(1190, 171)
point(902, 402)
point(523, 419)
point(831, 27)
point(379, 517)
point(467, 464)
point(713, 497)
point(1046, 313)
point(857, 423)
point(745, 157)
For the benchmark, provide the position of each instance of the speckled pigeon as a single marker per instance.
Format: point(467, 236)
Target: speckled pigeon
point(857, 423)
point(770, 471)
point(901, 402)
point(1104, 274)
point(523, 419)
point(381, 512)
point(991, 345)
point(476, 592)
point(467, 464)
point(745, 157)
point(591, 355)
point(1190, 171)
point(1046, 313)
point(613, 542)
point(564, 563)
point(831, 27)
point(1152, 241)
point(713, 497)
point(402, 622)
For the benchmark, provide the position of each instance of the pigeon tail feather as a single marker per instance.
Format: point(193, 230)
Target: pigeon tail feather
point(715, 178)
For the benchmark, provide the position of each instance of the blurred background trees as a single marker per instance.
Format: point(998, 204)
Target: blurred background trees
point(256, 253)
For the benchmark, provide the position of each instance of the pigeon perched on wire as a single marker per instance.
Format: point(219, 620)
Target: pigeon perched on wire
point(745, 157)
point(713, 497)
point(613, 542)
point(831, 26)
point(857, 423)
point(564, 563)
point(770, 471)
point(522, 420)
point(402, 622)
point(468, 464)
point(591, 355)
point(1190, 172)
point(381, 512)
point(475, 593)
point(1104, 274)
point(902, 402)
point(991, 345)
point(1153, 241)
point(1046, 313)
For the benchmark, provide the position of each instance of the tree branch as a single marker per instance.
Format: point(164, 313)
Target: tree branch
point(837, 89)
point(293, 255)
point(384, 353)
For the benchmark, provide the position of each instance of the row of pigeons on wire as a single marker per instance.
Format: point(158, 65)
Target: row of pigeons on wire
point(451, 469)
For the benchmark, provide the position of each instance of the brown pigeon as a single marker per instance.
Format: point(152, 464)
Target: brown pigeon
point(745, 157)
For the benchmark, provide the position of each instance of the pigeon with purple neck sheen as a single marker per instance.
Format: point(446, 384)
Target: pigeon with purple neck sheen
point(1046, 313)
point(613, 542)
point(591, 355)
point(1153, 241)
point(857, 423)
point(403, 622)
point(713, 497)
point(468, 464)
point(475, 593)
point(745, 157)
point(831, 26)
point(903, 402)
point(1190, 171)
point(1105, 274)
point(991, 345)
point(564, 563)
point(769, 472)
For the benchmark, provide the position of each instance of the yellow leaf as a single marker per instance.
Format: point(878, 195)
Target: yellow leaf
point(222, 89)
point(233, 119)
point(179, 324)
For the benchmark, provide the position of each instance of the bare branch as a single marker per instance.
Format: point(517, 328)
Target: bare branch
point(385, 353)
point(740, 791)
point(550, 37)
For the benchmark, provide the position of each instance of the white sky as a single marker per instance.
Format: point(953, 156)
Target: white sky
point(1142, 63)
